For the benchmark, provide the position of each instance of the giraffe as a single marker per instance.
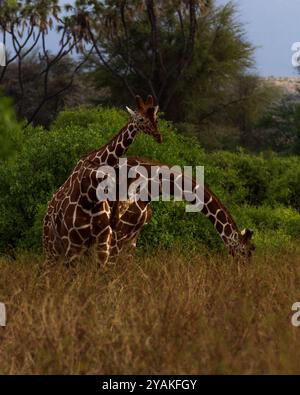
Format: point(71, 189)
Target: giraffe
point(131, 216)
point(75, 219)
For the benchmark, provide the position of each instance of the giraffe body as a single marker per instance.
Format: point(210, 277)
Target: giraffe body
point(115, 226)
point(75, 218)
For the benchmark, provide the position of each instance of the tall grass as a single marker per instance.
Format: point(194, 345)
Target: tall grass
point(166, 313)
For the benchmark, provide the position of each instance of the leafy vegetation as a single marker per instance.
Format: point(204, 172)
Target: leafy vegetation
point(192, 56)
point(279, 128)
point(262, 191)
point(10, 133)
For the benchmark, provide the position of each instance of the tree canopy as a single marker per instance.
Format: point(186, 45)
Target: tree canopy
point(192, 56)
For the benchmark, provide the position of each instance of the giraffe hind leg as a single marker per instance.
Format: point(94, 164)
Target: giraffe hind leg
point(103, 245)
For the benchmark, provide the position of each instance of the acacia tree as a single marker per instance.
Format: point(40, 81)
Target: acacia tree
point(193, 57)
point(145, 45)
point(25, 26)
point(188, 54)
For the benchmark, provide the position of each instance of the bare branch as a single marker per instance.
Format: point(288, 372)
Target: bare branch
point(106, 64)
point(58, 93)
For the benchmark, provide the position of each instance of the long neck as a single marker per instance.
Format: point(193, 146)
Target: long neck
point(212, 208)
point(221, 219)
point(217, 214)
point(118, 145)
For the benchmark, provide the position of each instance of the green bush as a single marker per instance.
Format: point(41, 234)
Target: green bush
point(10, 133)
point(258, 190)
point(171, 225)
point(47, 157)
point(256, 179)
point(273, 227)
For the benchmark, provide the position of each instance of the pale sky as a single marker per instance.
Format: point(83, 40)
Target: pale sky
point(272, 26)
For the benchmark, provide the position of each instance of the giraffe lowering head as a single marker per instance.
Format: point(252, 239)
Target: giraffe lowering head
point(246, 246)
point(238, 243)
point(144, 118)
point(129, 217)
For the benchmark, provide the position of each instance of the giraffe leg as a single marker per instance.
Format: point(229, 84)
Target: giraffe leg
point(73, 253)
point(115, 249)
point(51, 246)
point(47, 240)
point(129, 246)
point(125, 247)
point(103, 245)
point(101, 231)
point(126, 230)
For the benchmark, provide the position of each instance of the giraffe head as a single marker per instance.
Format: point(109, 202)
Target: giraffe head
point(244, 248)
point(144, 117)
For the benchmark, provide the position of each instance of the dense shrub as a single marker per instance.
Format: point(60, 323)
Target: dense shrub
point(279, 128)
point(257, 189)
point(274, 227)
point(256, 180)
point(10, 133)
point(46, 158)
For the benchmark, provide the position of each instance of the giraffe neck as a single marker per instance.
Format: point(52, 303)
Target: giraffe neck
point(213, 209)
point(118, 145)
point(221, 219)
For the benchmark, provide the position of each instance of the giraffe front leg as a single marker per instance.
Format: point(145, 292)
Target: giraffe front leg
point(115, 248)
point(129, 246)
point(101, 231)
point(73, 254)
point(103, 245)
point(124, 248)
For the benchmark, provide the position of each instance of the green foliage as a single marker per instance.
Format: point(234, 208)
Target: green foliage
point(171, 225)
point(229, 118)
point(191, 71)
point(212, 137)
point(262, 192)
point(273, 227)
point(279, 128)
point(256, 179)
point(222, 55)
point(209, 93)
point(10, 134)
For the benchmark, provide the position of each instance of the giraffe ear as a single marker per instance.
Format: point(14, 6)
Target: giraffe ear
point(149, 101)
point(139, 102)
point(131, 112)
point(247, 234)
point(156, 108)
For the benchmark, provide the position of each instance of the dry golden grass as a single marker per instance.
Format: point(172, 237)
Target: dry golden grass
point(167, 314)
